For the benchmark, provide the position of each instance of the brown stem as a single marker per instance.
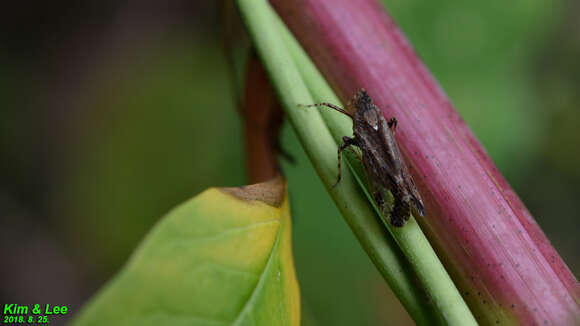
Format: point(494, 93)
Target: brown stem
point(263, 119)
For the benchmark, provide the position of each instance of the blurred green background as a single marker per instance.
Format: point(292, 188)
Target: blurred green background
point(113, 113)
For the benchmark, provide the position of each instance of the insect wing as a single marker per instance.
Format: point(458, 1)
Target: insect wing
point(398, 164)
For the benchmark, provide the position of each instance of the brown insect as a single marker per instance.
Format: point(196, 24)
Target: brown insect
point(381, 158)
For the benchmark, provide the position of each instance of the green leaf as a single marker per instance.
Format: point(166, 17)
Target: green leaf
point(222, 258)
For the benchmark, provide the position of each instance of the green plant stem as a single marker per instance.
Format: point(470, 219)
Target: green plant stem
point(273, 43)
point(410, 238)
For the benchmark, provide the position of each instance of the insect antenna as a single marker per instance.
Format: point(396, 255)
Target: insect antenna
point(332, 106)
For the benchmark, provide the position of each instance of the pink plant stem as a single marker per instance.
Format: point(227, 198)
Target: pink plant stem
point(503, 264)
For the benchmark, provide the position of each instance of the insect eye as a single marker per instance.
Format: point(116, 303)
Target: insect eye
point(373, 122)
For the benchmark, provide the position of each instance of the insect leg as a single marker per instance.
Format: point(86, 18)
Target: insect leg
point(401, 212)
point(392, 123)
point(379, 200)
point(357, 155)
point(347, 141)
point(379, 195)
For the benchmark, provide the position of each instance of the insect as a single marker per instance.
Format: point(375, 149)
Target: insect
point(381, 158)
